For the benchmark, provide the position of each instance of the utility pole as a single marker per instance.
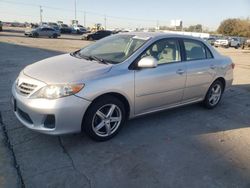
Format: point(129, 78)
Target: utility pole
point(105, 22)
point(85, 19)
point(41, 14)
point(75, 9)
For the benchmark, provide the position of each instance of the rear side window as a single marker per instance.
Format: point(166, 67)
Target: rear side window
point(195, 50)
point(209, 54)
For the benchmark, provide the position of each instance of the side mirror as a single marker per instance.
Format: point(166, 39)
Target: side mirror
point(147, 62)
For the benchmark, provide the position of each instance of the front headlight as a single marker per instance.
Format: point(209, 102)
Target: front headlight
point(57, 91)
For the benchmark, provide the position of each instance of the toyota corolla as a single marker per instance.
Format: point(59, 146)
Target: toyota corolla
point(97, 88)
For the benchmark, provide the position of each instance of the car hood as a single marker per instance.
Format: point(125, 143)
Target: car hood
point(65, 69)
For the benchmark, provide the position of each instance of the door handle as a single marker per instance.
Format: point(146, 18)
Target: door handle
point(212, 66)
point(180, 71)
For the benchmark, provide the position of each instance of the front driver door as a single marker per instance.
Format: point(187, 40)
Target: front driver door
point(163, 86)
point(43, 31)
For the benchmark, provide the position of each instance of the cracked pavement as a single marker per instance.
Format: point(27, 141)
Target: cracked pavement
point(185, 147)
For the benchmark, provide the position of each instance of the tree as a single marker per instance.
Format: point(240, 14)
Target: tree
point(194, 28)
point(235, 27)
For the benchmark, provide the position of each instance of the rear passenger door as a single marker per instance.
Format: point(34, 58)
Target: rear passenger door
point(200, 69)
point(50, 32)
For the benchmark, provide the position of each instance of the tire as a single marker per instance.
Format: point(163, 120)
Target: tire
point(90, 38)
point(236, 47)
point(213, 97)
point(98, 114)
point(35, 35)
point(54, 36)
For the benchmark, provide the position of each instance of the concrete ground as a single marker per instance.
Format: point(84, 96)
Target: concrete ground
point(184, 147)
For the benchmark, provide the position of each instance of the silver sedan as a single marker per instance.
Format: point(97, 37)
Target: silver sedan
point(43, 32)
point(97, 88)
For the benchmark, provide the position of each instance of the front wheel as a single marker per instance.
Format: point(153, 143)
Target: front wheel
point(35, 35)
point(90, 38)
point(214, 95)
point(104, 118)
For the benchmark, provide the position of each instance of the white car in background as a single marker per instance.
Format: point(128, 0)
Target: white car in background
point(42, 31)
point(221, 43)
point(235, 42)
point(78, 29)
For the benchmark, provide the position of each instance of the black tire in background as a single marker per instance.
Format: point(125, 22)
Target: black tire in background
point(90, 38)
point(35, 35)
point(54, 36)
point(88, 120)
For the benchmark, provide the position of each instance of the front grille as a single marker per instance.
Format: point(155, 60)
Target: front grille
point(25, 88)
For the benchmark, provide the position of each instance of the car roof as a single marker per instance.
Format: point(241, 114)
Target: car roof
point(160, 35)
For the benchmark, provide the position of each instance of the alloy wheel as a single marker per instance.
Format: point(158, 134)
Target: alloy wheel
point(215, 94)
point(107, 120)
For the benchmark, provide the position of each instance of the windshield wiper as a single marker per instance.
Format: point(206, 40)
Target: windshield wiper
point(100, 60)
point(80, 56)
point(76, 54)
point(91, 58)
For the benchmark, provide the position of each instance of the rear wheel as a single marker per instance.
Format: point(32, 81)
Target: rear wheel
point(104, 118)
point(214, 95)
point(54, 35)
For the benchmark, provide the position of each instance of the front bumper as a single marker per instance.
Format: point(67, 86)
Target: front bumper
point(28, 34)
point(68, 113)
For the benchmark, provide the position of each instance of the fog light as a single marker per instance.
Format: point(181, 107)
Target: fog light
point(50, 122)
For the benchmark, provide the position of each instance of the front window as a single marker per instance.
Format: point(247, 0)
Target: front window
point(164, 51)
point(114, 49)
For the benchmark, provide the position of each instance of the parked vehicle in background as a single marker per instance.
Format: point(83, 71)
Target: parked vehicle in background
point(54, 26)
point(211, 41)
point(234, 42)
point(1, 26)
point(42, 32)
point(116, 31)
point(78, 29)
point(33, 25)
point(97, 88)
point(246, 44)
point(96, 35)
point(64, 28)
point(221, 43)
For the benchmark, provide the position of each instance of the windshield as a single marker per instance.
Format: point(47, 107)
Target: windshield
point(114, 49)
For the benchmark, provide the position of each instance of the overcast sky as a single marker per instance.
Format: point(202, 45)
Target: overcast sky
point(127, 13)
